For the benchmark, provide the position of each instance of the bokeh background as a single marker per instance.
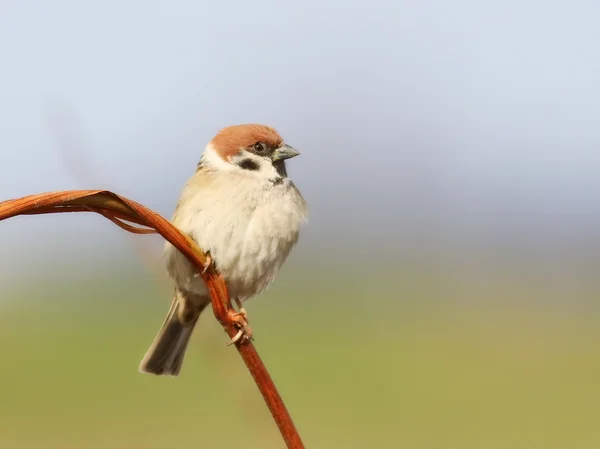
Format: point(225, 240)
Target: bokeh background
point(445, 293)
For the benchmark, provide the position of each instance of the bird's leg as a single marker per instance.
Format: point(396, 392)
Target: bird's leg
point(241, 322)
point(241, 309)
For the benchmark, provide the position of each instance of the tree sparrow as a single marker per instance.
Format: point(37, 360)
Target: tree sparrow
point(240, 207)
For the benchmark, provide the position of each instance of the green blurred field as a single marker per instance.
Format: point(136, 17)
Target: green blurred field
point(363, 364)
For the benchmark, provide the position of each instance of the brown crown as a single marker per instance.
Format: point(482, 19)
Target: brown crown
point(230, 140)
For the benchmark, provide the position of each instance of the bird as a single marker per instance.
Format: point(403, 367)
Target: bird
point(244, 211)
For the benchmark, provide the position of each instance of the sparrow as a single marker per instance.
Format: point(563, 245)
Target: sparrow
point(241, 208)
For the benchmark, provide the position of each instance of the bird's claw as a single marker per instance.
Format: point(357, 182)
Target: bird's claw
point(209, 261)
point(244, 333)
point(240, 321)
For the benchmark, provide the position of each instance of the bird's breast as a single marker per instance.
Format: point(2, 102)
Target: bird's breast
point(249, 235)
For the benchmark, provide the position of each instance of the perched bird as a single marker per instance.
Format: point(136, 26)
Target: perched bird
point(240, 207)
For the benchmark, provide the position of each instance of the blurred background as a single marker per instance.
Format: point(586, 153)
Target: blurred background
point(445, 292)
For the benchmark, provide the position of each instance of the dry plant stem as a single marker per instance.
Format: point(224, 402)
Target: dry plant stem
point(119, 210)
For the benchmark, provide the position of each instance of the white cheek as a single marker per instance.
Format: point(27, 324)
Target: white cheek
point(265, 170)
point(212, 158)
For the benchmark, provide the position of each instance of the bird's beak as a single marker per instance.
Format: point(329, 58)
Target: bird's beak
point(284, 152)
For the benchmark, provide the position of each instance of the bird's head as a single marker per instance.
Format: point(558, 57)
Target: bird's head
point(252, 149)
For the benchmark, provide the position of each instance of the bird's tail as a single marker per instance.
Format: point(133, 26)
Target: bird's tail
point(165, 355)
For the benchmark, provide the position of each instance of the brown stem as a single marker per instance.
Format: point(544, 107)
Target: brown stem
point(116, 209)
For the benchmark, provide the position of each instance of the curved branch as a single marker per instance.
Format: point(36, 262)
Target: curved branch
point(117, 209)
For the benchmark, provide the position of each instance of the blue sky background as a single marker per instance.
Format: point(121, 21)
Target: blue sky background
point(423, 125)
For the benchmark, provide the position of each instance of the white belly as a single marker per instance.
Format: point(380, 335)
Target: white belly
point(249, 236)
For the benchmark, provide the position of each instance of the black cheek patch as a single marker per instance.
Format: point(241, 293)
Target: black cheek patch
point(248, 164)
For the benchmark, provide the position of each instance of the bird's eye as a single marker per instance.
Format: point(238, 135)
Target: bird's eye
point(259, 147)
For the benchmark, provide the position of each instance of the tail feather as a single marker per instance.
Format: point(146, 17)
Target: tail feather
point(165, 355)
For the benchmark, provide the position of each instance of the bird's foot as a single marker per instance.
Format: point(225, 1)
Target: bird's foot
point(209, 261)
point(240, 321)
point(241, 311)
